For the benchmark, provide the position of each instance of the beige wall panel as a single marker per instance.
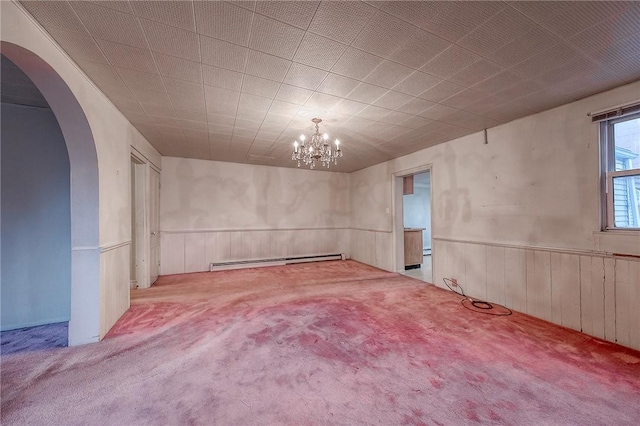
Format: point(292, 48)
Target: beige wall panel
point(171, 254)
point(623, 306)
point(609, 300)
point(515, 279)
point(194, 253)
point(496, 275)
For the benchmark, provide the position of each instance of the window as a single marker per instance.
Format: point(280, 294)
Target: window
point(621, 165)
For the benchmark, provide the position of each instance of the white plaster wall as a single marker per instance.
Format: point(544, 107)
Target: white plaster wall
point(536, 183)
point(517, 220)
point(113, 135)
point(238, 210)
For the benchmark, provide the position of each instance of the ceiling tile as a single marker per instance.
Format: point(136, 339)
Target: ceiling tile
point(475, 73)
point(267, 66)
point(190, 115)
point(220, 77)
point(395, 117)
point(224, 21)
point(502, 80)
point(151, 97)
point(188, 103)
point(568, 18)
point(222, 54)
point(321, 102)
point(373, 112)
point(416, 83)
point(608, 32)
point(141, 80)
point(303, 76)
point(619, 50)
point(337, 85)
point(119, 5)
point(392, 100)
point(456, 19)
point(128, 107)
point(292, 94)
point(355, 63)
point(121, 55)
point(221, 119)
point(341, 21)
point(525, 87)
point(349, 107)
point(519, 49)
point(485, 104)
point(319, 52)
point(255, 103)
point(438, 112)
point(109, 24)
point(464, 98)
point(221, 101)
point(416, 106)
point(77, 46)
point(418, 50)
point(366, 93)
point(179, 68)
point(280, 107)
point(417, 13)
point(117, 92)
point(384, 34)
point(441, 91)
point(176, 13)
point(274, 37)
point(171, 41)
point(546, 60)
point(387, 74)
point(450, 61)
point(159, 111)
point(296, 13)
point(175, 86)
point(55, 14)
point(260, 86)
point(502, 28)
point(100, 73)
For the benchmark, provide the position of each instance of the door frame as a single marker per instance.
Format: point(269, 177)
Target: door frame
point(398, 215)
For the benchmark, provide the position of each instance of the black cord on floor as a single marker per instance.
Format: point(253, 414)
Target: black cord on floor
point(485, 307)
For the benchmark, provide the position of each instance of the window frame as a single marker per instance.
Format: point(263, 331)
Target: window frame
point(608, 171)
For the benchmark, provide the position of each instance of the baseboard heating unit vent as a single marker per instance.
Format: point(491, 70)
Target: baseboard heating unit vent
point(258, 263)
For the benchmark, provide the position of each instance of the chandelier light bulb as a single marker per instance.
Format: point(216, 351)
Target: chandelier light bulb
point(316, 150)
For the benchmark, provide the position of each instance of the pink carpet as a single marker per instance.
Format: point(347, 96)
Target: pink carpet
point(327, 343)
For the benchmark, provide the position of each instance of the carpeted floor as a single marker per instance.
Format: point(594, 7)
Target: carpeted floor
point(327, 343)
point(37, 338)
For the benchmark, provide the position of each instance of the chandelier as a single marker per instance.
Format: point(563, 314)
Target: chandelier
point(317, 149)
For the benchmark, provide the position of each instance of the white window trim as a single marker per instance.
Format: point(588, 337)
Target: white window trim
point(608, 172)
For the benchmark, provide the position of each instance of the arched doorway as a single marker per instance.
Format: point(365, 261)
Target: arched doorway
point(83, 163)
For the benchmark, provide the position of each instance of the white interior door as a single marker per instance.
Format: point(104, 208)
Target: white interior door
point(154, 224)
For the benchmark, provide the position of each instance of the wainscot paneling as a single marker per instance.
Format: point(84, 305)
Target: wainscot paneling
point(193, 251)
point(114, 284)
point(595, 293)
point(372, 247)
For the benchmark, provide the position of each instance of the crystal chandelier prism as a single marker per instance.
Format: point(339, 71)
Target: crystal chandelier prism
point(317, 150)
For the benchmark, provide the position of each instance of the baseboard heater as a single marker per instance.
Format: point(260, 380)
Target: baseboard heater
point(258, 263)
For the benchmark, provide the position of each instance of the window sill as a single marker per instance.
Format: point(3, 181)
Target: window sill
point(616, 241)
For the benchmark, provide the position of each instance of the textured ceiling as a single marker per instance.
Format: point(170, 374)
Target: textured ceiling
point(238, 81)
point(17, 88)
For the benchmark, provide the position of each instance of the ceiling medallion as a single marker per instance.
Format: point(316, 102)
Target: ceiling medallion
point(317, 149)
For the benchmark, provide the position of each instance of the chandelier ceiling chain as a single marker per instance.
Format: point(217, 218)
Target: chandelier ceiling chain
point(317, 149)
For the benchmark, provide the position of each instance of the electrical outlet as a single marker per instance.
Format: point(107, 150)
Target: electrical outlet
point(454, 282)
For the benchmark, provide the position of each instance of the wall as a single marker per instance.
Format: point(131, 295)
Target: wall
point(114, 138)
point(36, 219)
point(214, 212)
point(417, 208)
point(517, 220)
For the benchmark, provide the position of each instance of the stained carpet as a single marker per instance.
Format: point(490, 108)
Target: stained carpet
point(327, 343)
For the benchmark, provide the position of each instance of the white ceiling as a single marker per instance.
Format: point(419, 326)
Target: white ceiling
point(238, 81)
